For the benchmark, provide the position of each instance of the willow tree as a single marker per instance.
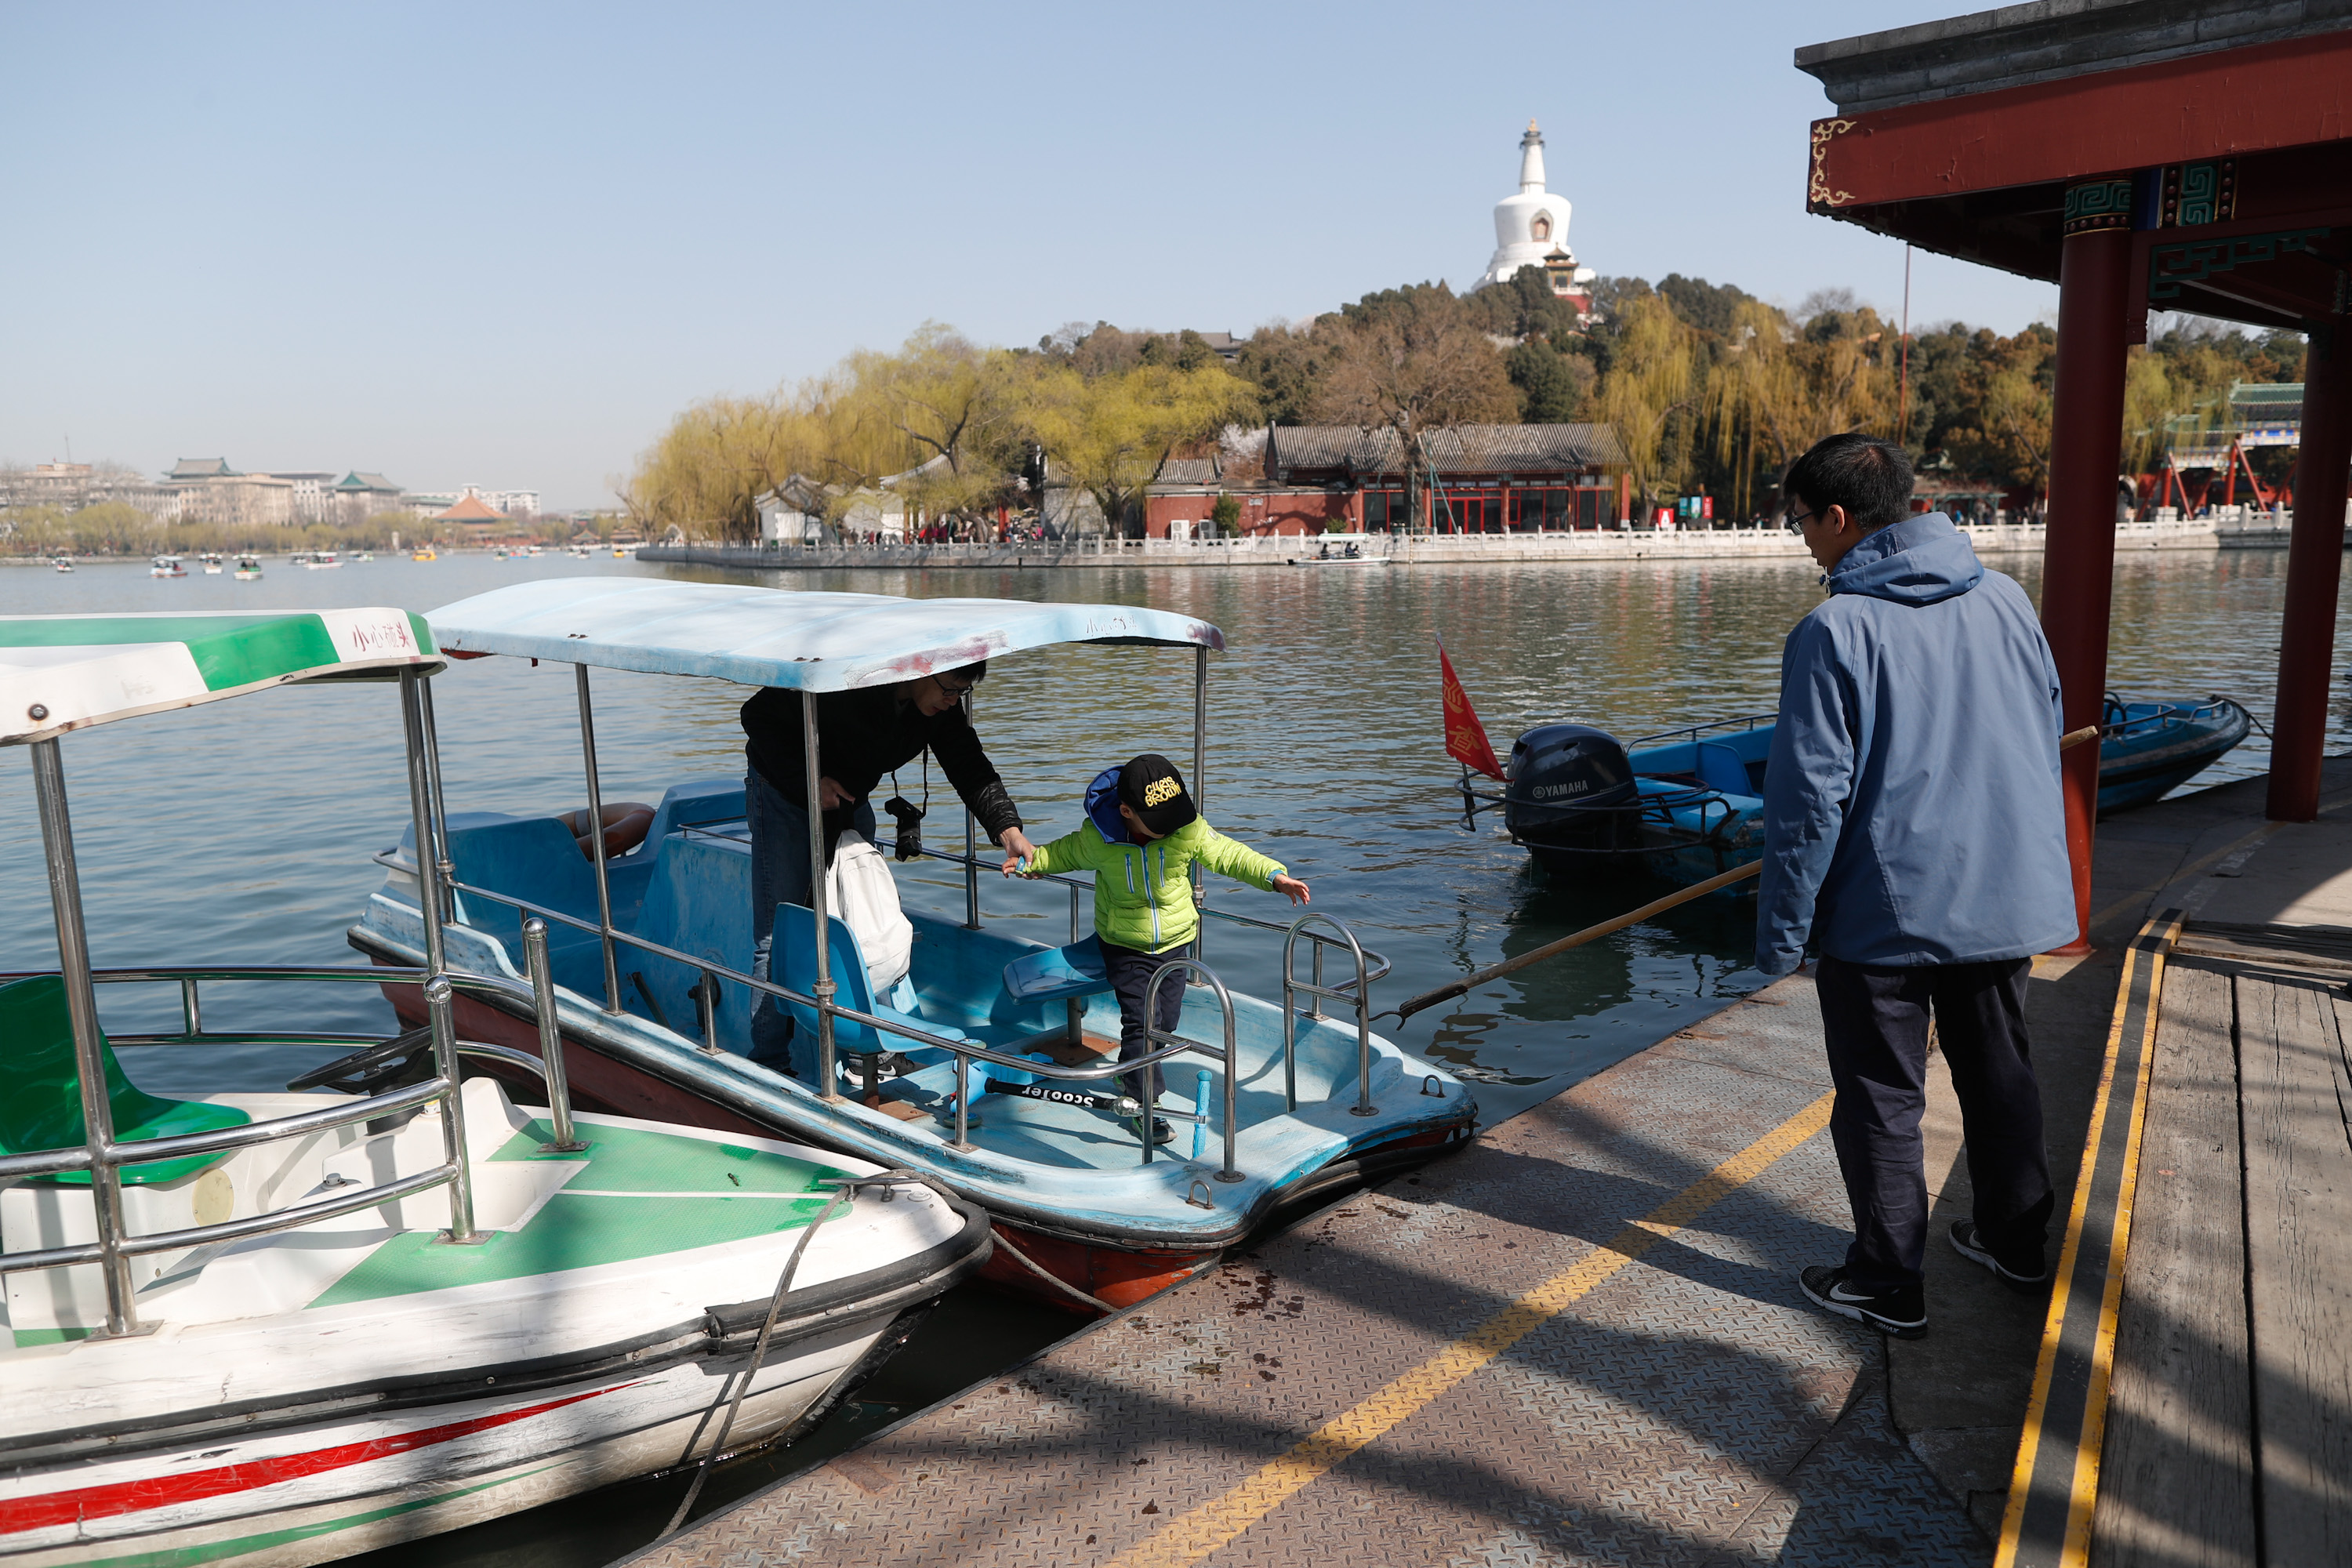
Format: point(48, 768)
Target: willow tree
point(1654, 374)
point(1780, 387)
point(940, 409)
point(1108, 433)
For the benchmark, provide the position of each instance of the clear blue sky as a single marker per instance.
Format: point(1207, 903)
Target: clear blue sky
point(503, 243)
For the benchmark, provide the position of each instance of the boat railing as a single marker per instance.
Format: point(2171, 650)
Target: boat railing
point(103, 1160)
point(2164, 716)
point(1693, 731)
point(965, 1050)
point(1155, 1036)
point(1357, 995)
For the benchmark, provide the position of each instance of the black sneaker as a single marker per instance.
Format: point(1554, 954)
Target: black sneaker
point(1161, 1131)
point(1899, 1314)
point(1968, 1245)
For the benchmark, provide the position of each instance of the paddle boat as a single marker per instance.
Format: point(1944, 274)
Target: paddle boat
point(320, 560)
point(1342, 550)
point(281, 1328)
point(989, 1066)
point(424, 552)
point(1688, 803)
point(248, 568)
point(212, 564)
point(63, 563)
point(166, 566)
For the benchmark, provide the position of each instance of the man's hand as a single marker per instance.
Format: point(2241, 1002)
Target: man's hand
point(831, 797)
point(1017, 848)
point(1294, 889)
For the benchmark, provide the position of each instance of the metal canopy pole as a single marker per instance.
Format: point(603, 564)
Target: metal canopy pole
point(829, 1080)
point(446, 868)
point(81, 1006)
point(1200, 785)
point(971, 846)
point(596, 842)
point(420, 815)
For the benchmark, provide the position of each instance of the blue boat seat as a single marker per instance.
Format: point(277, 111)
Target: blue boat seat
point(698, 901)
point(1054, 973)
point(793, 955)
point(40, 1095)
point(1719, 768)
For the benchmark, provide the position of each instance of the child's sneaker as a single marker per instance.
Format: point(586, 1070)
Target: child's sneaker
point(1970, 1246)
point(1161, 1131)
point(1901, 1314)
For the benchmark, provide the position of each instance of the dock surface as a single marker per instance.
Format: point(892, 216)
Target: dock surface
point(1580, 1340)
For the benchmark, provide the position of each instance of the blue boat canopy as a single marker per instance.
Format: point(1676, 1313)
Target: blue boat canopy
point(773, 636)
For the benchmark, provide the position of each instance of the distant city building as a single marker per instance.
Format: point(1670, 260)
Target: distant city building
point(359, 496)
point(513, 504)
point(210, 491)
point(429, 504)
point(70, 487)
point(1531, 230)
point(314, 498)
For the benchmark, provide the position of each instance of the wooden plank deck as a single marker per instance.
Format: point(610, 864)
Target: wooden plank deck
point(2229, 1437)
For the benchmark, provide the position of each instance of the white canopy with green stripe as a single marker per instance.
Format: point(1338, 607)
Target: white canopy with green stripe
point(69, 672)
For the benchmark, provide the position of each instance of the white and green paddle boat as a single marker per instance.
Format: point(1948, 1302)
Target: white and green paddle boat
point(283, 1327)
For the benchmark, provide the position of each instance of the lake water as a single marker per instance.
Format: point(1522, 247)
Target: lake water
point(241, 832)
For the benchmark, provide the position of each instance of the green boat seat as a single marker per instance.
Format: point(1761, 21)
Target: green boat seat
point(40, 1092)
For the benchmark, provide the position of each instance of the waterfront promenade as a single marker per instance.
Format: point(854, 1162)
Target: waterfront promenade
point(1584, 547)
point(1581, 1341)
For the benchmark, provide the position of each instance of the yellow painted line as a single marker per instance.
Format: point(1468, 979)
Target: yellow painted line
point(1190, 1537)
point(2083, 1491)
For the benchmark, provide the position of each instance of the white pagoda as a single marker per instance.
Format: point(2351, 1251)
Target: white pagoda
point(1531, 230)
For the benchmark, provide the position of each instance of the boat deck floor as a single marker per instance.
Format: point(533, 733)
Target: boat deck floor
point(1580, 1340)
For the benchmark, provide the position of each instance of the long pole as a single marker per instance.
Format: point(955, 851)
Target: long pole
point(81, 1009)
point(1199, 785)
point(443, 866)
point(829, 1080)
point(597, 840)
point(971, 846)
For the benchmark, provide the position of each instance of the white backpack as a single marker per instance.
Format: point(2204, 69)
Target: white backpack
point(862, 894)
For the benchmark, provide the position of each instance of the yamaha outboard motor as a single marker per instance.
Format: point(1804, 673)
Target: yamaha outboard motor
point(1570, 788)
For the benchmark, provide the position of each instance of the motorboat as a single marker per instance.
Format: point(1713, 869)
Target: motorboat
point(1342, 550)
point(248, 568)
point(985, 1068)
point(212, 564)
point(166, 566)
point(282, 1328)
point(1688, 803)
point(2148, 749)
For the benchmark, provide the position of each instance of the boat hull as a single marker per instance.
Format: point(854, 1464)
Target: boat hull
point(337, 1488)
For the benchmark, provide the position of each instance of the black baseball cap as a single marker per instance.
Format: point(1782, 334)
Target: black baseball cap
point(1151, 784)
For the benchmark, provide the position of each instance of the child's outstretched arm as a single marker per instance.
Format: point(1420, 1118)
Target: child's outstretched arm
point(1229, 857)
point(1291, 887)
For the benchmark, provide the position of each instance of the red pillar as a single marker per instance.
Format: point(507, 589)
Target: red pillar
point(2314, 561)
point(2096, 299)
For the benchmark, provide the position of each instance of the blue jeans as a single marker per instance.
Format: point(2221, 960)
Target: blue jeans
point(780, 875)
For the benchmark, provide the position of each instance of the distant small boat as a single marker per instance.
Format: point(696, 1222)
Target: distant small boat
point(166, 566)
point(322, 560)
point(1342, 550)
point(424, 552)
point(366, 557)
point(212, 564)
point(247, 568)
point(62, 563)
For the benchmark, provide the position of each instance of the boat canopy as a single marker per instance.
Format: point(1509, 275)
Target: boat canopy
point(774, 636)
point(69, 672)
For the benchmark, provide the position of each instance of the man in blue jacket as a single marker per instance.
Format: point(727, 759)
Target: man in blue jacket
point(1915, 841)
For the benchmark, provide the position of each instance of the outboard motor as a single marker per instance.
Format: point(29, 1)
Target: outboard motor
point(1570, 787)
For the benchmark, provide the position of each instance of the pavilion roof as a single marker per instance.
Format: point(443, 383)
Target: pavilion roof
point(470, 509)
point(1456, 449)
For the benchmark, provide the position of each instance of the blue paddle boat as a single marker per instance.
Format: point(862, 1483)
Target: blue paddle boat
point(991, 1065)
point(1687, 804)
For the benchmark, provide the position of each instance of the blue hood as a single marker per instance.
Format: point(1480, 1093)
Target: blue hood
point(1102, 805)
point(1919, 561)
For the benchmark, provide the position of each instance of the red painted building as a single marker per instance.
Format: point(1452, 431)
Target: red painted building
point(1478, 478)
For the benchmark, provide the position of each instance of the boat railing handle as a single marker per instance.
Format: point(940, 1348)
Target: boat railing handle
point(1153, 1035)
point(1360, 994)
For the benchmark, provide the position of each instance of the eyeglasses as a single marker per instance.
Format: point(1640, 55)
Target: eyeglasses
point(1796, 524)
point(952, 688)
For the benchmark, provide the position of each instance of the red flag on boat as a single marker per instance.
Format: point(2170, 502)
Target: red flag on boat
point(1466, 738)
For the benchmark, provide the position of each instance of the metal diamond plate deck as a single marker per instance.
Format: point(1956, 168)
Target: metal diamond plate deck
point(1690, 1409)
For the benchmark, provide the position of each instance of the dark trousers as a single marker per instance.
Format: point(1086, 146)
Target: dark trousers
point(1874, 1019)
point(1130, 974)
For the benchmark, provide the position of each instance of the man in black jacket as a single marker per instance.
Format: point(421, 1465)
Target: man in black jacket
point(861, 736)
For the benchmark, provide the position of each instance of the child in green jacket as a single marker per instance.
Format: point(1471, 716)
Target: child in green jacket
point(1139, 853)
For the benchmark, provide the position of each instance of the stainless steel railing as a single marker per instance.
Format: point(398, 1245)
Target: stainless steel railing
point(115, 1246)
point(1358, 994)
